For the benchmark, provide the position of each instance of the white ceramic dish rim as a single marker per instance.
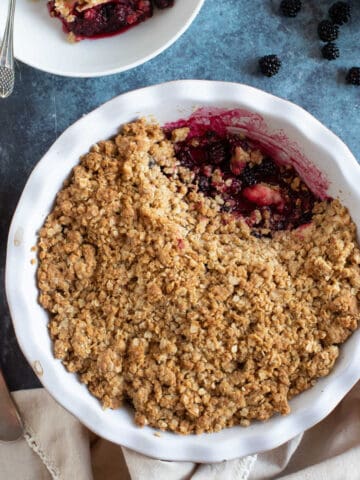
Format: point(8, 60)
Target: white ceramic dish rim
point(63, 71)
point(308, 408)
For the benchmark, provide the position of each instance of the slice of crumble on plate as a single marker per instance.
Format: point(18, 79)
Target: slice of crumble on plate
point(97, 18)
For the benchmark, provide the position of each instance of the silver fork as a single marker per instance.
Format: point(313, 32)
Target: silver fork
point(7, 73)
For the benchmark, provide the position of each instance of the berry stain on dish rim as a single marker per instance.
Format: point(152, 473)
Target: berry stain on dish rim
point(276, 144)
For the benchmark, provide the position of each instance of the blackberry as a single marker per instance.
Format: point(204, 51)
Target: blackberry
point(190, 157)
point(266, 168)
point(327, 31)
point(248, 176)
point(164, 3)
point(290, 8)
point(306, 217)
point(340, 13)
point(204, 185)
point(217, 153)
point(269, 65)
point(264, 171)
point(353, 76)
point(330, 51)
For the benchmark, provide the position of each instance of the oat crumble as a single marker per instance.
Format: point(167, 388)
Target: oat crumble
point(159, 298)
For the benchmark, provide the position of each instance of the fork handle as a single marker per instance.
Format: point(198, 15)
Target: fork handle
point(7, 48)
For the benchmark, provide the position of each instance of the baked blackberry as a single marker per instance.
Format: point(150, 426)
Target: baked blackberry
point(290, 8)
point(217, 153)
point(267, 168)
point(163, 3)
point(248, 176)
point(330, 51)
point(353, 76)
point(270, 65)
point(340, 13)
point(204, 185)
point(328, 31)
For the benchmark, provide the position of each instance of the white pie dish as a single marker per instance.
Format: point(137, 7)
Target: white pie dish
point(37, 36)
point(169, 102)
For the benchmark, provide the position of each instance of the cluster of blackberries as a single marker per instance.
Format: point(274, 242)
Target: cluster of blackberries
point(328, 31)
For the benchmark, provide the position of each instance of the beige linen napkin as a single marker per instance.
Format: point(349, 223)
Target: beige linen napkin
point(56, 446)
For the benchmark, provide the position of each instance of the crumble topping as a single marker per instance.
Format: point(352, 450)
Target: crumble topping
point(159, 297)
point(65, 8)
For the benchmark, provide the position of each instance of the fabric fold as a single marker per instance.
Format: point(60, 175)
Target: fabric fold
point(57, 446)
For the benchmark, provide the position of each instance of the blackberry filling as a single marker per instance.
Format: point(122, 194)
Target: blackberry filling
point(247, 182)
point(164, 3)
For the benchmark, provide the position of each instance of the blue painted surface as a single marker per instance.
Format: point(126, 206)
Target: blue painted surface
point(224, 43)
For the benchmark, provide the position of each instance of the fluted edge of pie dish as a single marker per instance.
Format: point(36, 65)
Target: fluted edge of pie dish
point(168, 102)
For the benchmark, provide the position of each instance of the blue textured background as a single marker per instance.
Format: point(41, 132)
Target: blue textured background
point(223, 43)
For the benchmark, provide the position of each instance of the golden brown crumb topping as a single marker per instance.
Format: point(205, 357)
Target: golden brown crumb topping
point(158, 298)
point(65, 7)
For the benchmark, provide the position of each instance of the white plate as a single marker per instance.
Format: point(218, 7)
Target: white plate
point(41, 43)
point(168, 102)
